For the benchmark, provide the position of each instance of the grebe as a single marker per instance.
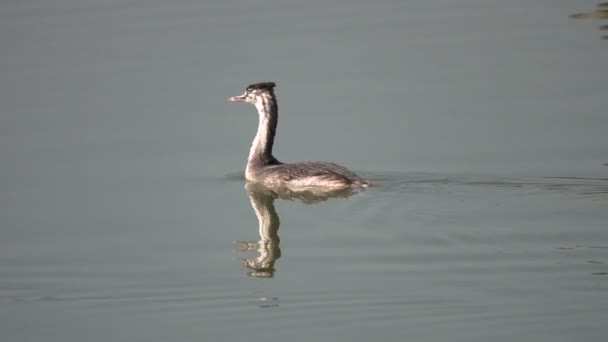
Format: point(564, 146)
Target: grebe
point(264, 168)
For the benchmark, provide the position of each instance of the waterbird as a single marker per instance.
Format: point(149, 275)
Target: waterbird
point(264, 168)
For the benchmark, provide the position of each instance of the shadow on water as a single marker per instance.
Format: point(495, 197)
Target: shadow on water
point(268, 246)
point(600, 12)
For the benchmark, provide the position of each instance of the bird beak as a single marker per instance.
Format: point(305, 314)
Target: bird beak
point(239, 98)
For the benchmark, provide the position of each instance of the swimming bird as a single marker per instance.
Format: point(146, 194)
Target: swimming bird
point(264, 168)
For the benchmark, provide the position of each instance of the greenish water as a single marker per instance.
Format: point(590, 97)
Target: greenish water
point(124, 214)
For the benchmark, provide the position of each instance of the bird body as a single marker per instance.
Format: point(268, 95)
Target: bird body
point(263, 167)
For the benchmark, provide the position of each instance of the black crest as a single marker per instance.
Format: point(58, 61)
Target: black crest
point(268, 86)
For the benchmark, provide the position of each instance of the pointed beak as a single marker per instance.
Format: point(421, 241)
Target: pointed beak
point(239, 98)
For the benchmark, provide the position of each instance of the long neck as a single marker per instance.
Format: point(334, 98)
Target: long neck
point(260, 153)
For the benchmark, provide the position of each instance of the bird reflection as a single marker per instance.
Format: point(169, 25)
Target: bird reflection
point(262, 200)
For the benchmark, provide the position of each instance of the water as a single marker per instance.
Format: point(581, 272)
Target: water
point(124, 214)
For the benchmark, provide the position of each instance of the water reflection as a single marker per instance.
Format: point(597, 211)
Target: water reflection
point(601, 12)
point(604, 28)
point(268, 246)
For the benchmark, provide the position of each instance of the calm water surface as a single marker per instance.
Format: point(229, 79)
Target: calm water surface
point(125, 217)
